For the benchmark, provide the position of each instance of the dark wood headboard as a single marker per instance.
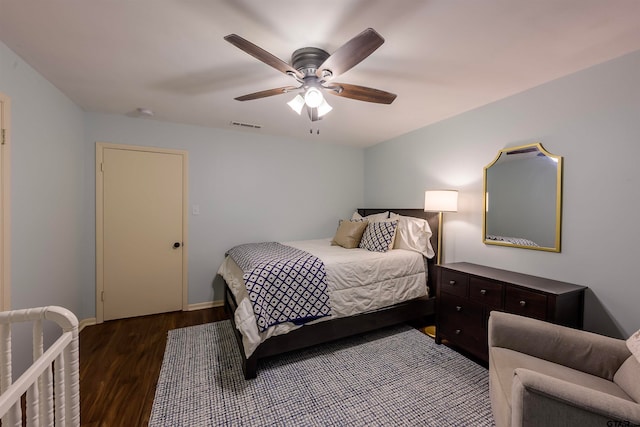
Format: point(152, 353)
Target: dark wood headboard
point(434, 224)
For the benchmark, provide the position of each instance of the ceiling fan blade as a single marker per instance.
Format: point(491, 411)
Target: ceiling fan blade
point(266, 93)
point(361, 93)
point(262, 55)
point(350, 54)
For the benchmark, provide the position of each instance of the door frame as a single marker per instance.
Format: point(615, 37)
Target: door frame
point(100, 147)
point(5, 202)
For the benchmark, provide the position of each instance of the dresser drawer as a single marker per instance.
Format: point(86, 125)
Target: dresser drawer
point(526, 303)
point(486, 292)
point(468, 338)
point(453, 310)
point(454, 283)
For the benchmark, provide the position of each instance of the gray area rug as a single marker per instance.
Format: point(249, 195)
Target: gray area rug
point(395, 376)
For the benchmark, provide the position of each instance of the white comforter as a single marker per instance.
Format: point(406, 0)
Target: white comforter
point(358, 281)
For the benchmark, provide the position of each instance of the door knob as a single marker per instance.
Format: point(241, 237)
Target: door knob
point(176, 245)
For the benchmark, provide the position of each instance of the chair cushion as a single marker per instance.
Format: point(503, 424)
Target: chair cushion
point(505, 361)
point(628, 378)
point(585, 351)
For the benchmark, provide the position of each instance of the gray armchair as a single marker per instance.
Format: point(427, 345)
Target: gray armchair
point(542, 374)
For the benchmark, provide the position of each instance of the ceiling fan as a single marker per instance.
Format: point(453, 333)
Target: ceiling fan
point(314, 69)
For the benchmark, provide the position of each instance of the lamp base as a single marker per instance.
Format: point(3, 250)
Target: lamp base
point(430, 330)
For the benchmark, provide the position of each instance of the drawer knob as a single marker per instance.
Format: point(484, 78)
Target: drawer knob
point(523, 303)
point(458, 308)
point(458, 331)
point(452, 282)
point(483, 291)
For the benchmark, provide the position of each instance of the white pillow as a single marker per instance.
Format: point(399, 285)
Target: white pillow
point(413, 234)
point(371, 218)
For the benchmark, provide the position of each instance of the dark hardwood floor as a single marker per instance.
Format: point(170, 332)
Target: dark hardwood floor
point(120, 362)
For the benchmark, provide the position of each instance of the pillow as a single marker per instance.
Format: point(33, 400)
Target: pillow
point(378, 236)
point(371, 218)
point(413, 234)
point(634, 344)
point(349, 234)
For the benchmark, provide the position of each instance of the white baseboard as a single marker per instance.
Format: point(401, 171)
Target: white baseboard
point(203, 305)
point(86, 322)
point(191, 307)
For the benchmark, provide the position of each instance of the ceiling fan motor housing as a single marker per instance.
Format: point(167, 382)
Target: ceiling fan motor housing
point(308, 59)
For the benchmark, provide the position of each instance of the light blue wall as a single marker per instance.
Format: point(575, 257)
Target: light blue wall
point(249, 187)
point(592, 118)
point(49, 263)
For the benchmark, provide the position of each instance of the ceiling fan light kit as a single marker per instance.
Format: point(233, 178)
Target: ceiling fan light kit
point(311, 103)
point(313, 97)
point(296, 104)
point(324, 108)
point(313, 68)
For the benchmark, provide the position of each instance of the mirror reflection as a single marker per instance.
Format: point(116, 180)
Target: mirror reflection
point(522, 199)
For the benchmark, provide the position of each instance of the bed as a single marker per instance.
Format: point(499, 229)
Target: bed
point(329, 329)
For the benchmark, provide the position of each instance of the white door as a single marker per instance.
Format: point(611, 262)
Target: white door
point(5, 285)
point(143, 221)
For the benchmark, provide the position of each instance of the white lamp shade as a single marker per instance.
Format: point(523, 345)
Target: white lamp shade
point(313, 98)
point(324, 108)
point(296, 104)
point(441, 201)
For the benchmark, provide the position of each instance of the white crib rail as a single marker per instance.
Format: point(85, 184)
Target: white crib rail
point(52, 398)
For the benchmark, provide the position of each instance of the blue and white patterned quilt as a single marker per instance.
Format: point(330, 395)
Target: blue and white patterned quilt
point(512, 240)
point(284, 284)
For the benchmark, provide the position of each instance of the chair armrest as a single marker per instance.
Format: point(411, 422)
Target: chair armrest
point(541, 400)
point(580, 350)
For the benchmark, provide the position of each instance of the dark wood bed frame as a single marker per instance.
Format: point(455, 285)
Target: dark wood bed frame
point(330, 330)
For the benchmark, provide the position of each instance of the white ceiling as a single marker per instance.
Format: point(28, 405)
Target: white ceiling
point(441, 57)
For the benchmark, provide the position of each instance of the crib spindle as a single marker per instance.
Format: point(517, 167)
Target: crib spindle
point(45, 387)
point(33, 415)
point(33, 394)
point(72, 381)
point(5, 357)
point(13, 417)
point(59, 390)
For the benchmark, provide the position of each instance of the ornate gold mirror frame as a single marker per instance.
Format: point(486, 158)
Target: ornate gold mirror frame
point(523, 199)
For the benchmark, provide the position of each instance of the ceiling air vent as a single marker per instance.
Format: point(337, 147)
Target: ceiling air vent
point(246, 125)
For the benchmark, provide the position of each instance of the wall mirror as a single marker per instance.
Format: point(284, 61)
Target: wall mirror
point(523, 199)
